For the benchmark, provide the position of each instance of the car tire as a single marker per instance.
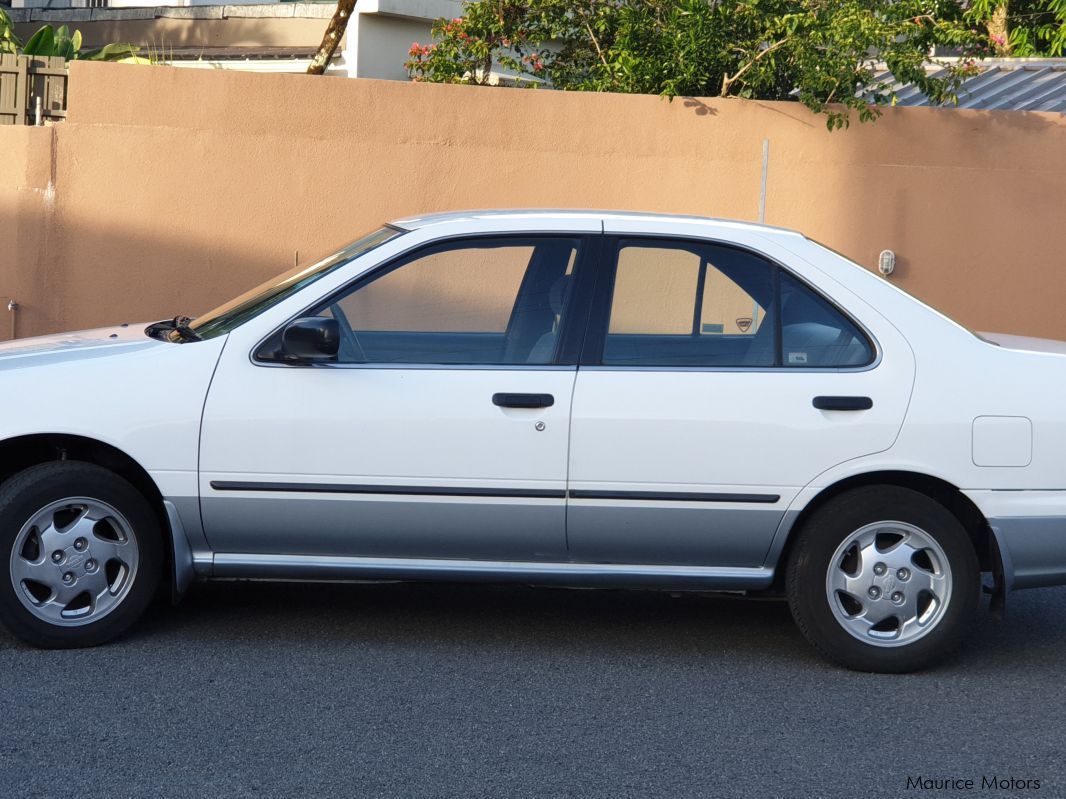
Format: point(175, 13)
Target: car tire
point(82, 555)
point(883, 579)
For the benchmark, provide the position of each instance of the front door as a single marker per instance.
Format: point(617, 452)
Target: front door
point(440, 432)
point(695, 422)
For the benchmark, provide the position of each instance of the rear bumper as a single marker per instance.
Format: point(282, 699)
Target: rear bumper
point(1030, 530)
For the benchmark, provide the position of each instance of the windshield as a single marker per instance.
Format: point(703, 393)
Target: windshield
point(237, 311)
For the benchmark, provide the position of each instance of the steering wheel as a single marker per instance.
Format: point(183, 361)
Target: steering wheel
point(349, 341)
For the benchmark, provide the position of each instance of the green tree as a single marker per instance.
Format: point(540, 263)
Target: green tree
point(1022, 28)
point(338, 24)
point(824, 53)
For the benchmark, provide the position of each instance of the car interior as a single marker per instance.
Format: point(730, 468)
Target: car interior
point(741, 332)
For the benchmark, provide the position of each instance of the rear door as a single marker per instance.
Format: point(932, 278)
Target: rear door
point(695, 421)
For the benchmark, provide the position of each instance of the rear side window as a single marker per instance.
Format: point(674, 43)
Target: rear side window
point(703, 305)
point(689, 305)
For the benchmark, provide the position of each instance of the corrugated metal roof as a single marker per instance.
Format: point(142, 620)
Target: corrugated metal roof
point(1008, 84)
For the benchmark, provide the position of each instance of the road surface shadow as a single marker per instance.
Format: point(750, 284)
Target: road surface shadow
point(608, 622)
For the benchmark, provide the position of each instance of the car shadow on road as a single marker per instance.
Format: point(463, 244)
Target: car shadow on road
point(492, 620)
point(609, 623)
point(613, 623)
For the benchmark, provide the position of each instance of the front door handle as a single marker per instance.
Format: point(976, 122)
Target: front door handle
point(843, 403)
point(523, 400)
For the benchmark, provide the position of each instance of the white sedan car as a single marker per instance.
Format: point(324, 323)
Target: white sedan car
point(548, 397)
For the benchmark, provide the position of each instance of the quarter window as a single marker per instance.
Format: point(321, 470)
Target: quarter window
point(814, 333)
point(693, 304)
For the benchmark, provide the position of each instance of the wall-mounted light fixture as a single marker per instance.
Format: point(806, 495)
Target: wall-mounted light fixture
point(886, 262)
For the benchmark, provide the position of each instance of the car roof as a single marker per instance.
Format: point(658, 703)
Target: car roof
point(561, 215)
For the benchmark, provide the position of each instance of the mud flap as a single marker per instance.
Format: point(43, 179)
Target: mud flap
point(997, 606)
point(181, 555)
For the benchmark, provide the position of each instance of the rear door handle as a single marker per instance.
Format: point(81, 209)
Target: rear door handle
point(843, 403)
point(523, 400)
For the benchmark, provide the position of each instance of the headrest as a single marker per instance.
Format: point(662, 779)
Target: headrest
point(557, 294)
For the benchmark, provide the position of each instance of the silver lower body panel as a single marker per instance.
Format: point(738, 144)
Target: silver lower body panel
point(1033, 550)
point(386, 526)
point(686, 534)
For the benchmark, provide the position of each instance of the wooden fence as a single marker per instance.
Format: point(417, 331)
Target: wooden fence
point(26, 79)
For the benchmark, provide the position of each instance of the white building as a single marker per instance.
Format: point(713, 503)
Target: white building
point(254, 36)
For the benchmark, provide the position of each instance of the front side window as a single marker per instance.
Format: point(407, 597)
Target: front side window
point(498, 301)
point(704, 305)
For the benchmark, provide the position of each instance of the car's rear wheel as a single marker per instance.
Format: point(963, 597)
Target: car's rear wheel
point(884, 579)
point(84, 553)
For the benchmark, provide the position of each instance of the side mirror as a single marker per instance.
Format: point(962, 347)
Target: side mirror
point(312, 338)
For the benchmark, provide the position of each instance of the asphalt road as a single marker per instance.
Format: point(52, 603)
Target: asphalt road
point(444, 691)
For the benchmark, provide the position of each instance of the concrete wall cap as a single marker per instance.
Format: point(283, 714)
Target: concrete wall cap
point(104, 14)
point(57, 15)
point(258, 10)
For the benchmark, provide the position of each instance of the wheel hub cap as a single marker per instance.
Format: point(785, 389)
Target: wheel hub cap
point(74, 561)
point(889, 583)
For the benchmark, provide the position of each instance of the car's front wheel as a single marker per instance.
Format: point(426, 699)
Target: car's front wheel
point(84, 553)
point(884, 579)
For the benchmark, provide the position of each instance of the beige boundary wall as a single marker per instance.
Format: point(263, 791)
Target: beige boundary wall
point(171, 190)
